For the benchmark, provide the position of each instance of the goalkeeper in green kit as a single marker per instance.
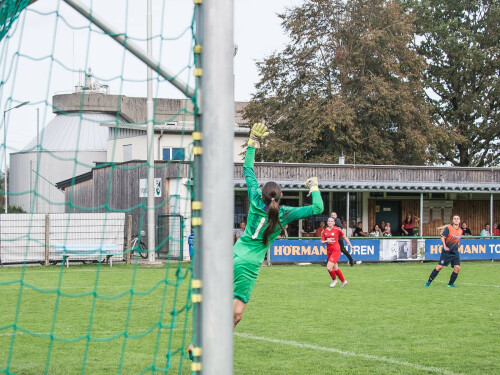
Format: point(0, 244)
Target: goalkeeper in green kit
point(266, 219)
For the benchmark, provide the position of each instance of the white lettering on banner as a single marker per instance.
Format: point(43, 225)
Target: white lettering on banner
point(296, 250)
point(362, 250)
point(495, 248)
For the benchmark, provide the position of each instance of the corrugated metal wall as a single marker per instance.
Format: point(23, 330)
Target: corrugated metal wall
point(23, 236)
point(54, 167)
point(117, 189)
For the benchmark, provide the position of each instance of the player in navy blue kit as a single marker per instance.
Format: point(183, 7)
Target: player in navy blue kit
point(450, 238)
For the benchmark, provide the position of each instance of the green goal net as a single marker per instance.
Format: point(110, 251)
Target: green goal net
point(97, 181)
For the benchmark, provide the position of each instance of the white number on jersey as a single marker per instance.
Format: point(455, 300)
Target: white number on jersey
point(259, 227)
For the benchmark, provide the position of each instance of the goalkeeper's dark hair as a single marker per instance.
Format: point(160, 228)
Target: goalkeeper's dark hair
point(271, 194)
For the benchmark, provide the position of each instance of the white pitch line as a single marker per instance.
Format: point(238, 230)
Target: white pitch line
point(350, 354)
point(444, 282)
point(471, 284)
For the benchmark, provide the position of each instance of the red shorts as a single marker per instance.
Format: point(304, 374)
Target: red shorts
point(334, 256)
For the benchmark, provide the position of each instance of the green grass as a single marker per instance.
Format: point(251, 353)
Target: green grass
point(118, 332)
point(383, 322)
point(384, 317)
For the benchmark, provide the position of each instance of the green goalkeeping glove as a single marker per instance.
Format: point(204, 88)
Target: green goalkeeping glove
point(259, 131)
point(312, 184)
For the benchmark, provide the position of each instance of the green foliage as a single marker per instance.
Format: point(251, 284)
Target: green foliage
point(16, 210)
point(460, 42)
point(347, 82)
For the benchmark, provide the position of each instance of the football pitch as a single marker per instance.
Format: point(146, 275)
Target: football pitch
point(383, 322)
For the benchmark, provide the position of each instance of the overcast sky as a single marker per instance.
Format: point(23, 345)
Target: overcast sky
point(54, 42)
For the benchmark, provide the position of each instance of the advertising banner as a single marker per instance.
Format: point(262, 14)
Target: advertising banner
point(402, 249)
point(314, 251)
point(469, 248)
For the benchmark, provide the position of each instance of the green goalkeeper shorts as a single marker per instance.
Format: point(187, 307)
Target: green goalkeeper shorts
point(245, 275)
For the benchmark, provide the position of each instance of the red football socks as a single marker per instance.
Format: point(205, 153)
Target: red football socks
point(339, 274)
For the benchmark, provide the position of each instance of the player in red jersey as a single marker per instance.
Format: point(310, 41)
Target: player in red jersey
point(330, 236)
point(450, 239)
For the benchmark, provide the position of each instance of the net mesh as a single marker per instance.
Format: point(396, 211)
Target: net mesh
point(74, 182)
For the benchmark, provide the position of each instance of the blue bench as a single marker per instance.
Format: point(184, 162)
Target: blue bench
point(88, 252)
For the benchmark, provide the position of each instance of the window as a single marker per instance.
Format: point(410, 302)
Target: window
point(240, 208)
point(173, 153)
point(177, 154)
point(127, 152)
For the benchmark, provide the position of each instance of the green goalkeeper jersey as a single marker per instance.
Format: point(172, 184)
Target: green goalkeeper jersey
point(250, 246)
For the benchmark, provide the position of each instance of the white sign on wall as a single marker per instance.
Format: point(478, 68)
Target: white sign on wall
point(437, 203)
point(143, 187)
point(426, 215)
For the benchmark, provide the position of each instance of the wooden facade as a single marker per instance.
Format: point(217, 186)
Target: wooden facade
point(116, 188)
point(381, 178)
point(468, 190)
point(475, 213)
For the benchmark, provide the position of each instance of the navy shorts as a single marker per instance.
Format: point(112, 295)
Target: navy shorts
point(449, 258)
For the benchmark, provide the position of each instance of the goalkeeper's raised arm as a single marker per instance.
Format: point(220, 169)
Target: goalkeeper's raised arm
point(257, 135)
point(265, 221)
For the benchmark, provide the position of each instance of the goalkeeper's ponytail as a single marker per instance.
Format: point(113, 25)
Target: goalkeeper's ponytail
point(271, 194)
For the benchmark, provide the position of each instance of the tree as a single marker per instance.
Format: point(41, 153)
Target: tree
point(348, 82)
point(460, 42)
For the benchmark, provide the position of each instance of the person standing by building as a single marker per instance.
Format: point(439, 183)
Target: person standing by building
point(387, 231)
point(465, 229)
point(409, 224)
point(450, 238)
point(265, 221)
point(382, 226)
point(319, 230)
point(240, 231)
point(332, 236)
point(358, 231)
point(485, 232)
point(376, 232)
point(338, 223)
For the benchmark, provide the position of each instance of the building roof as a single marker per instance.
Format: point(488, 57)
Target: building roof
point(353, 178)
point(382, 178)
point(384, 186)
point(187, 128)
point(70, 132)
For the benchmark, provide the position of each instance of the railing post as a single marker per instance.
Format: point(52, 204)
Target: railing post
point(47, 239)
point(129, 238)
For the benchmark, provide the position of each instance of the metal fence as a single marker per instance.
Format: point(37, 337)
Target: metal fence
point(170, 237)
point(33, 237)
